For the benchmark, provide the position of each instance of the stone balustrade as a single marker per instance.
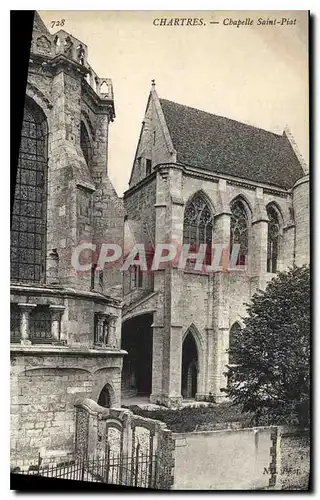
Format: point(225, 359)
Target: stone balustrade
point(35, 326)
point(62, 43)
point(105, 330)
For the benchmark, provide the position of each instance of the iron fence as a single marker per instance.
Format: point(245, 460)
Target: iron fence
point(141, 470)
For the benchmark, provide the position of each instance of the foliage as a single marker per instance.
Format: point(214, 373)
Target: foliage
point(271, 376)
point(189, 419)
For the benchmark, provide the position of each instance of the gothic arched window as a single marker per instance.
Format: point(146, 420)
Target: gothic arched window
point(239, 232)
point(85, 144)
point(232, 334)
point(273, 240)
point(198, 225)
point(28, 228)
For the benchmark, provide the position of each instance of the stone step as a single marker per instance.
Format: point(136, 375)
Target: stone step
point(127, 392)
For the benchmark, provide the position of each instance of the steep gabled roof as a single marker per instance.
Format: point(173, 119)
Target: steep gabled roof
point(225, 146)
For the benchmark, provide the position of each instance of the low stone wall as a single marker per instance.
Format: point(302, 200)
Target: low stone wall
point(241, 459)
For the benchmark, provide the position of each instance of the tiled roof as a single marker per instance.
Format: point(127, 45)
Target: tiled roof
point(229, 147)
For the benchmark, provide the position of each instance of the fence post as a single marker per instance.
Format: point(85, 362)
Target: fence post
point(155, 483)
point(107, 462)
point(137, 465)
point(39, 463)
point(82, 467)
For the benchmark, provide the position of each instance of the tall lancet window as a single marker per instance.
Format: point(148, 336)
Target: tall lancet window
point(234, 330)
point(273, 240)
point(85, 144)
point(198, 225)
point(28, 228)
point(239, 230)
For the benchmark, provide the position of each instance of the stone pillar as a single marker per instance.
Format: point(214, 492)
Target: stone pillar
point(161, 205)
point(100, 329)
point(220, 346)
point(159, 334)
point(172, 363)
point(219, 342)
point(24, 324)
point(301, 208)
point(157, 362)
point(259, 239)
point(56, 313)
point(174, 284)
point(209, 362)
point(288, 237)
point(110, 338)
point(70, 186)
point(287, 253)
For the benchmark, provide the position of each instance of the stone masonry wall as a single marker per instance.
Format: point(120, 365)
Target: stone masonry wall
point(44, 389)
point(139, 206)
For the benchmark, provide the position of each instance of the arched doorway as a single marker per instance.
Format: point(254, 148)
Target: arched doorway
point(105, 397)
point(189, 372)
point(136, 339)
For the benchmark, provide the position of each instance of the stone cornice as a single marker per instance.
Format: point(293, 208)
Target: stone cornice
point(53, 64)
point(85, 185)
point(215, 177)
point(62, 292)
point(62, 61)
point(235, 181)
point(141, 183)
point(59, 350)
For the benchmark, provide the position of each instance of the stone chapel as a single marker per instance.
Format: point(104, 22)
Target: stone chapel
point(201, 178)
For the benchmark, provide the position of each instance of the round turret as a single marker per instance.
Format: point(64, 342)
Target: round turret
point(300, 195)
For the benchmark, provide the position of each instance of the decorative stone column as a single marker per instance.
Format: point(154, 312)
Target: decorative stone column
point(56, 313)
point(24, 324)
point(110, 334)
point(100, 333)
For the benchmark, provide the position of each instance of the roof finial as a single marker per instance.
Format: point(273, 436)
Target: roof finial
point(153, 83)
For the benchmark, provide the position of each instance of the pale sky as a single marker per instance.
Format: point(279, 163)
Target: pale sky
point(254, 74)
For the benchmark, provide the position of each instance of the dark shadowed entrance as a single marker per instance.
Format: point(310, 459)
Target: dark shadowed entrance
point(189, 374)
point(136, 339)
point(105, 397)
